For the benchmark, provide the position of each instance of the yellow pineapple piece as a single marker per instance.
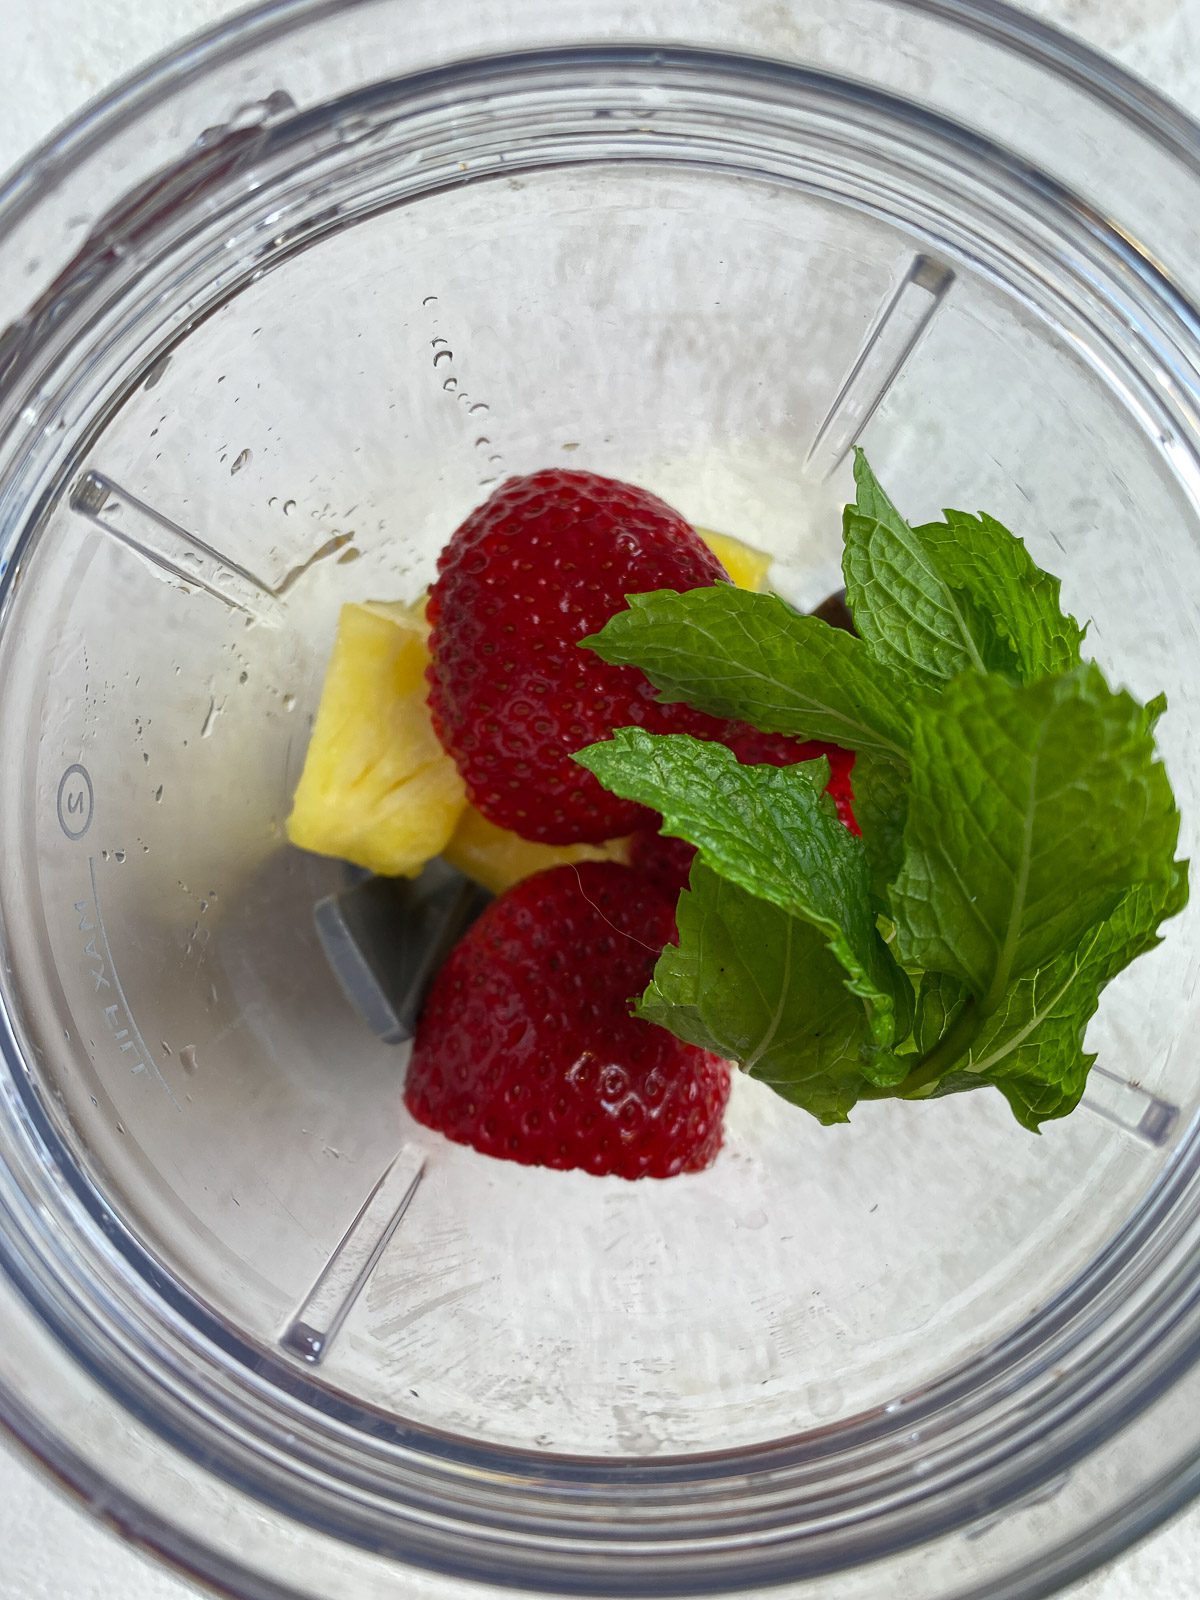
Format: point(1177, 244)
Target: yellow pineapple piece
point(747, 566)
point(377, 787)
point(497, 858)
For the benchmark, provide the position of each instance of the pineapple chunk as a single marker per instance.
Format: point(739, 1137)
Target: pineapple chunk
point(497, 858)
point(747, 566)
point(377, 787)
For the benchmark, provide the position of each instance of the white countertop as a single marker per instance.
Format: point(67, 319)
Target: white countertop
point(57, 54)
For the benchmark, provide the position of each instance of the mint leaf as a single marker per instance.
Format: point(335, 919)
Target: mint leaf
point(940, 998)
point(1033, 809)
point(771, 831)
point(1018, 833)
point(1031, 1047)
point(760, 987)
point(902, 607)
point(751, 656)
point(880, 809)
point(1018, 603)
point(945, 598)
point(1153, 710)
point(995, 651)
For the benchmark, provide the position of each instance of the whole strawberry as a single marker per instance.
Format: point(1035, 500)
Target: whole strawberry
point(543, 563)
point(527, 1050)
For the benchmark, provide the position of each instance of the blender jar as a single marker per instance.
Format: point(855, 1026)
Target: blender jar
point(278, 314)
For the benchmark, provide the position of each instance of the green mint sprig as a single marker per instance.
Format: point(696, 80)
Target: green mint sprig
point(1018, 832)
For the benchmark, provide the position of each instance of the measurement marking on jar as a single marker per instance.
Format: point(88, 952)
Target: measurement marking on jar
point(76, 801)
point(126, 1032)
point(891, 341)
point(325, 1308)
point(169, 547)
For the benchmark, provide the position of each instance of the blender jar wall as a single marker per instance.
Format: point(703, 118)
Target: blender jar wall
point(680, 332)
point(641, 276)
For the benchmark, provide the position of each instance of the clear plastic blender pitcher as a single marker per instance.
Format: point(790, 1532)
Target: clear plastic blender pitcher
point(278, 314)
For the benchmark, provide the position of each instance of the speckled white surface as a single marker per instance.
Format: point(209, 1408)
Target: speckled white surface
point(56, 55)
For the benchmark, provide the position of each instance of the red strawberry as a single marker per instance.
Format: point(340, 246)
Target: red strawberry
point(661, 859)
point(526, 1048)
point(840, 788)
point(544, 562)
